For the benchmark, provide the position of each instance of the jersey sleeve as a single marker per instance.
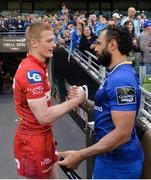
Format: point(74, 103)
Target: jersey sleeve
point(122, 95)
point(34, 86)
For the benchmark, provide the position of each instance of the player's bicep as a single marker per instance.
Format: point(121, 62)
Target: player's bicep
point(38, 108)
point(124, 122)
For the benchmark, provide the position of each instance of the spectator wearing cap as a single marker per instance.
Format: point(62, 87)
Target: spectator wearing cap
point(131, 16)
point(116, 18)
point(147, 24)
point(145, 45)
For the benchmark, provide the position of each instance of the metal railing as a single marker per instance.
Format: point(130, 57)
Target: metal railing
point(88, 63)
point(144, 115)
point(12, 33)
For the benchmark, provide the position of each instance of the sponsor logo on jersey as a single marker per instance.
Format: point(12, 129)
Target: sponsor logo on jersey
point(46, 161)
point(126, 95)
point(34, 77)
point(98, 108)
point(36, 90)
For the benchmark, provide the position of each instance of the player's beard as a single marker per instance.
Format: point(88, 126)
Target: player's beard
point(105, 58)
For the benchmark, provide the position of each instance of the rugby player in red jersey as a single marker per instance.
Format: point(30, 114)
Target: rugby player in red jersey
point(34, 147)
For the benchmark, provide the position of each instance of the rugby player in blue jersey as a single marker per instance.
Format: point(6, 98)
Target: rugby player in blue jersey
point(117, 150)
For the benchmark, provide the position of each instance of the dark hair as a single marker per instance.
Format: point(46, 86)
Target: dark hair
point(127, 23)
point(91, 34)
point(122, 36)
point(111, 19)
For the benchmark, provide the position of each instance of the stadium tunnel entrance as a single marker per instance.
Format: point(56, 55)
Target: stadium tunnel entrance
point(9, 63)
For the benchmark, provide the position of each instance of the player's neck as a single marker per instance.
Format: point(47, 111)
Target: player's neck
point(37, 56)
point(117, 59)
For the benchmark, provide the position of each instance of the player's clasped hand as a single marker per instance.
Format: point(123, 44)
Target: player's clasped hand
point(77, 92)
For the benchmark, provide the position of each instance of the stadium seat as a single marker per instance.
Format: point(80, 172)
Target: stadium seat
point(147, 83)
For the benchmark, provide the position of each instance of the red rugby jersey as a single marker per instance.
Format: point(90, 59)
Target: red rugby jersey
point(30, 82)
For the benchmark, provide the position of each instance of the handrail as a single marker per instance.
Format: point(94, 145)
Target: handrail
point(146, 114)
point(90, 54)
point(88, 63)
point(102, 71)
point(7, 33)
point(145, 91)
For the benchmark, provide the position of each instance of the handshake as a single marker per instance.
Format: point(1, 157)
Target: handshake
point(78, 93)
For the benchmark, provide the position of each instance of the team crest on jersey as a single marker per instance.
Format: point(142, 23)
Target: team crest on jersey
point(34, 77)
point(126, 95)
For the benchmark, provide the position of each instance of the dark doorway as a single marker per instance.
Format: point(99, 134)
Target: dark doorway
point(9, 63)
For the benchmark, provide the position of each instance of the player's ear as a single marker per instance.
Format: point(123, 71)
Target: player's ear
point(34, 43)
point(113, 45)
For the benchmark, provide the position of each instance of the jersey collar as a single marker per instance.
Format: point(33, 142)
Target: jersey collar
point(115, 67)
point(37, 61)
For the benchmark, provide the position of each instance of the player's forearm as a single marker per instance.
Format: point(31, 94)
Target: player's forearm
point(57, 111)
point(87, 105)
point(108, 143)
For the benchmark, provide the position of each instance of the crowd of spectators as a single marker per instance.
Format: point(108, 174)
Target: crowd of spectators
point(81, 30)
point(18, 23)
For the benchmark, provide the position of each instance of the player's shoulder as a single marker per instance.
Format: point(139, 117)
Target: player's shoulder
point(29, 71)
point(27, 65)
point(122, 75)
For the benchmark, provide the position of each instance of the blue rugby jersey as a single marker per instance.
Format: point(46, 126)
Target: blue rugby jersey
point(119, 91)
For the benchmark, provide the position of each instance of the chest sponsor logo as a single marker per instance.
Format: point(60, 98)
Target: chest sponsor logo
point(36, 90)
point(126, 95)
point(34, 77)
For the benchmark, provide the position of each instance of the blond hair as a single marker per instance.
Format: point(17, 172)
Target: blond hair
point(34, 31)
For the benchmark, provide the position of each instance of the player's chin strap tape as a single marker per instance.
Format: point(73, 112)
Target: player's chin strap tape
point(69, 173)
